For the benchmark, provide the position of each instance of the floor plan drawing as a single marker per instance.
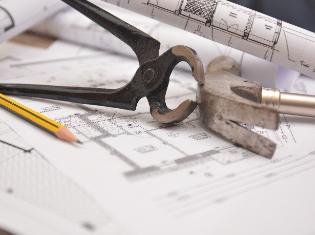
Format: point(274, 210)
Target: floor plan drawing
point(186, 173)
point(27, 176)
point(147, 154)
point(149, 143)
point(235, 26)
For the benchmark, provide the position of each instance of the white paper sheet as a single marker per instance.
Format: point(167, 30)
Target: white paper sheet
point(170, 180)
point(17, 16)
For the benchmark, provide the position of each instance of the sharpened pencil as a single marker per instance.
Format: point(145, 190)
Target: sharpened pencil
point(38, 119)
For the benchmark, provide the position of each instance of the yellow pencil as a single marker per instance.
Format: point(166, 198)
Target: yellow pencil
point(38, 119)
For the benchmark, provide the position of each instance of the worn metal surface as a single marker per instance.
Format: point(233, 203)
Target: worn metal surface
point(151, 79)
point(226, 112)
point(283, 102)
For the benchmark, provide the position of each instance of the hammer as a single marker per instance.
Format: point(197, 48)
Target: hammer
point(226, 112)
point(228, 104)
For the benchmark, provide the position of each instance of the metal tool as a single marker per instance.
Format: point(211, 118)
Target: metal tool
point(150, 80)
point(228, 104)
point(227, 113)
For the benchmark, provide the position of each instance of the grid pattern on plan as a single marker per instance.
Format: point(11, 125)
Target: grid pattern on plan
point(27, 176)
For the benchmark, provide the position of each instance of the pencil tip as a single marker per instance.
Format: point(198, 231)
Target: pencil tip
point(79, 142)
point(64, 134)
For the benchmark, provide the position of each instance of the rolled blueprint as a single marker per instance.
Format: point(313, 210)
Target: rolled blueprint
point(235, 26)
point(17, 16)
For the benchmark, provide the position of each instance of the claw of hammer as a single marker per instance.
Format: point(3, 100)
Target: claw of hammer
point(227, 103)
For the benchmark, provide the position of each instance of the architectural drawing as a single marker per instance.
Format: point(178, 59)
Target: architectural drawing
point(27, 176)
point(148, 143)
point(184, 172)
point(146, 154)
point(204, 12)
point(237, 27)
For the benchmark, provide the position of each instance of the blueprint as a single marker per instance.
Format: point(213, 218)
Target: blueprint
point(18, 16)
point(174, 179)
point(26, 176)
point(234, 26)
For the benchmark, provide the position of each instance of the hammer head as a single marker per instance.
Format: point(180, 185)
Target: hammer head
point(225, 111)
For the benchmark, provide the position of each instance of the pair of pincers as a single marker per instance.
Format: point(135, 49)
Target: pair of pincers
point(151, 80)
